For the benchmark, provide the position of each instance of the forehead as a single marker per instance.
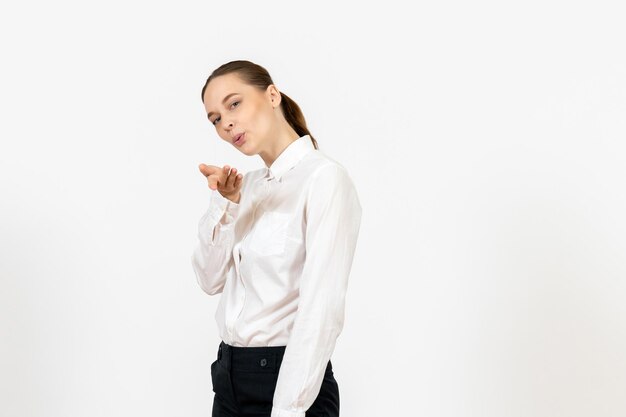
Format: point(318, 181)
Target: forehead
point(220, 87)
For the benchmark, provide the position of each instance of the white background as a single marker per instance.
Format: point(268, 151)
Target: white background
point(486, 141)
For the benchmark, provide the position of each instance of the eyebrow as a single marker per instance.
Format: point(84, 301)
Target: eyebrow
point(223, 101)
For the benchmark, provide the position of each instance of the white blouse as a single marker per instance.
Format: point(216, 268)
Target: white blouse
point(281, 259)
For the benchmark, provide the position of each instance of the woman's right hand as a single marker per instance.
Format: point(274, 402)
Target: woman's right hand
point(225, 180)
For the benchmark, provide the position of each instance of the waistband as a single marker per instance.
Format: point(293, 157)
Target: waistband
point(250, 359)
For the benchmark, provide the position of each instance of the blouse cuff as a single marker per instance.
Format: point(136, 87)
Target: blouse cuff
point(220, 205)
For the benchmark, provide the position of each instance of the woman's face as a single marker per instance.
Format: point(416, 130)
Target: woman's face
point(234, 107)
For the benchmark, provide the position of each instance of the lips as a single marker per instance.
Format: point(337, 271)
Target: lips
point(238, 137)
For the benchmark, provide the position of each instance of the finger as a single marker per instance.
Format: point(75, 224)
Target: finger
point(230, 181)
point(224, 175)
point(207, 170)
point(238, 180)
point(213, 181)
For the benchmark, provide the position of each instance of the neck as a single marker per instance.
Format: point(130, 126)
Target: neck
point(283, 138)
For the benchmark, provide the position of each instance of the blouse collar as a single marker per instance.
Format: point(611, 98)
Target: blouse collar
point(289, 157)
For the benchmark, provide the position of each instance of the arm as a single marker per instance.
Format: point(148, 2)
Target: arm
point(212, 256)
point(333, 217)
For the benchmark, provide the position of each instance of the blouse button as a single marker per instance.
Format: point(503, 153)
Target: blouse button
point(263, 362)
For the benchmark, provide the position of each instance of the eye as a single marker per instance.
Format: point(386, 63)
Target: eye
point(215, 121)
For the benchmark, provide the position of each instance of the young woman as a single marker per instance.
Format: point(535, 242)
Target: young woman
point(278, 244)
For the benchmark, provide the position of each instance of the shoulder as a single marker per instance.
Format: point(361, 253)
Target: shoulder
point(324, 168)
point(329, 180)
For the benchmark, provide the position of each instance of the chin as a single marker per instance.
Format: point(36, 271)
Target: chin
point(245, 150)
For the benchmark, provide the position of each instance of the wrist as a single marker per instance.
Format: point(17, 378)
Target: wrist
point(235, 198)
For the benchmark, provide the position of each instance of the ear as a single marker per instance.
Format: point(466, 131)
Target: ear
point(273, 95)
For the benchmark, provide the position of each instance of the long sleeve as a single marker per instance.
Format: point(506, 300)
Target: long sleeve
point(333, 217)
point(212, 256)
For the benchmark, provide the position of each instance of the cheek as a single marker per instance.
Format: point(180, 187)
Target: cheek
point(254, 113)
point(263, 118)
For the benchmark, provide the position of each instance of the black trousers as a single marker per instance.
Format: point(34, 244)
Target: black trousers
point(244, 380)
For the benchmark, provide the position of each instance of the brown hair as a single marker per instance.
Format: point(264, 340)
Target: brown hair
point(257, 76)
